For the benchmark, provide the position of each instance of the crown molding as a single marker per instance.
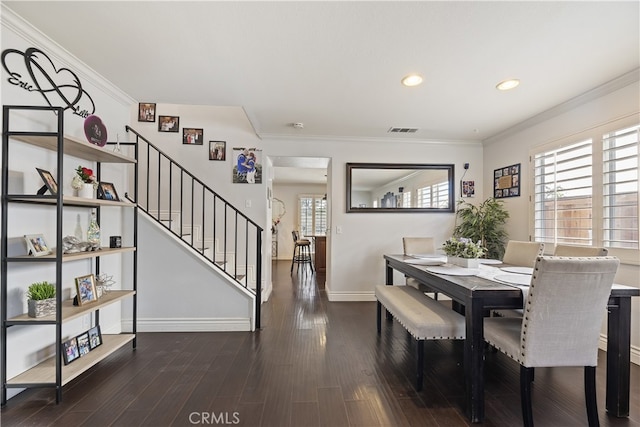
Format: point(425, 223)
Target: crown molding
point(624, 80)
point(17, 24)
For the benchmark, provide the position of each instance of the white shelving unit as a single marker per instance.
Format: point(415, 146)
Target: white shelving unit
point(51, 372)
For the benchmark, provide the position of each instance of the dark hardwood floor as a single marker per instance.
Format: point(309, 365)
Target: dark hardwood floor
point(314, 363)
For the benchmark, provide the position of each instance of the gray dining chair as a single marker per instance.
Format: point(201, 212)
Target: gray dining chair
point(418, 245)
point(564, 310)
point(520, 254)
point(575, 250)
point(523, 254)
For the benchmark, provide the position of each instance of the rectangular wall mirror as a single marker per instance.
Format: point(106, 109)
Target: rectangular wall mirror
point(400, 187)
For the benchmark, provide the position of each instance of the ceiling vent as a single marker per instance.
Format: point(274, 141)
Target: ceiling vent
point(402, 130)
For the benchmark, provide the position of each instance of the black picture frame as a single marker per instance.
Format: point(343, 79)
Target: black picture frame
point(218, 150)
point(169, 124)
point(83, 343)
point(49, 182)
point(146, 112)
point(506, 181)
point(95, 337)
point(70, 351)
point(192, 136)
point(107, 191)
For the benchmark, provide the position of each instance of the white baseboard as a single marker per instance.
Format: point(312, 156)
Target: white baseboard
point(635, 351)
point(350, 296)
point(189, 325)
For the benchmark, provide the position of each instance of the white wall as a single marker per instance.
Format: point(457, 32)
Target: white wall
point(354, 258)
point(515, 147)
point(180, 292)
point(28, 345)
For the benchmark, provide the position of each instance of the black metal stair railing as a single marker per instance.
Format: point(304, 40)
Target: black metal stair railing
point(191, 210)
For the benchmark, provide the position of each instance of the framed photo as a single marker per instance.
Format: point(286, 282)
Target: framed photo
point(106, 191)
point(217, 150)
point(146, 112)
point(506, 181)
point(86, 289)
point(247, 165)
point(70, 351)
point(83, 343)
point(192, 136)
point(95, 337)
point(468, 188)
point(49, 182)
point(169, 124)
point(36, 245)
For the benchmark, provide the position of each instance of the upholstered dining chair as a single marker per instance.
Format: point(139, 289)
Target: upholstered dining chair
point(575, 250)
point(566, 302)
point(523, 254)
point(418, 245)
point(301, 251)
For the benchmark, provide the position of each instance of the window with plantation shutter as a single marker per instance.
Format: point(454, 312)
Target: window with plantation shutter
point(620, 188)
point(312, 214)
point(563, 196)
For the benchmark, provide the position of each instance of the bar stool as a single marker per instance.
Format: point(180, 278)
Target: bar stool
point(301, 251)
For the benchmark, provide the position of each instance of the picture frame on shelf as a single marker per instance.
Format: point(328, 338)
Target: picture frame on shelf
point(146, 112)
point(217, 150)
point(86, 289)
point(192, 136)
point(83, 343)
point(70, 350)
point(169, 124)
point(107, 191)
point(95, 337)
point(37, 245)
point(49, 182)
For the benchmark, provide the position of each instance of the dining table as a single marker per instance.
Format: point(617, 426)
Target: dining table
point(476, 293)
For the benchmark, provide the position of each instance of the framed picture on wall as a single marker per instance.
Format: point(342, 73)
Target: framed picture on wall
point(192, 136)
point(506, 181)
point(146, 112)
point(217, 150)
point(169, 124)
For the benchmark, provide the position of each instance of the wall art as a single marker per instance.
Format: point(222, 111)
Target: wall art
point(169, 124)
point(506, 181)
point(33, 71)
point(217, 150)
point(192, 136)
point(247, 168)
point(146, 112)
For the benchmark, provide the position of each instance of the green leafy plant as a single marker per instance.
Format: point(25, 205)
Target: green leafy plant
point(484, 223)
point(462, 248)
point(41, 290)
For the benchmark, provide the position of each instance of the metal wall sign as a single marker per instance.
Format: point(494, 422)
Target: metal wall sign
point(33, 71)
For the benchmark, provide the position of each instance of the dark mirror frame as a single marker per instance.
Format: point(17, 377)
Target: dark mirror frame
point(449, 168)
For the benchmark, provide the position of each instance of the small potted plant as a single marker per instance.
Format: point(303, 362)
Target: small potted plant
point(41, 299)
point(85, 182)
point(463, 252)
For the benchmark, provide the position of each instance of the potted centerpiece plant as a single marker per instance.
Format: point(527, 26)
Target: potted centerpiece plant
point(484, 223)
point(463, 252)
point(41, 299)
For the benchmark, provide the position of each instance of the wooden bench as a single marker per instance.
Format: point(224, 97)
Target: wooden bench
point(423, 317)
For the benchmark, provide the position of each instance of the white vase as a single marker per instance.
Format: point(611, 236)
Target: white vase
point(86, 191)
point(463, 262)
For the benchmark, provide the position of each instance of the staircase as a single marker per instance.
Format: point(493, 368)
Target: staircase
point(185, 206)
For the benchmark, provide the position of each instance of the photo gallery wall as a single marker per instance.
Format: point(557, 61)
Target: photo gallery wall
point(247, 161)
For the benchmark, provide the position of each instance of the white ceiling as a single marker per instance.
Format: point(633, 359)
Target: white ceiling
point(336, 66)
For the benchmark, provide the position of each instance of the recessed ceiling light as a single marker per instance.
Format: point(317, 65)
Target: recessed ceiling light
point(412, 80)
point(508, 84)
